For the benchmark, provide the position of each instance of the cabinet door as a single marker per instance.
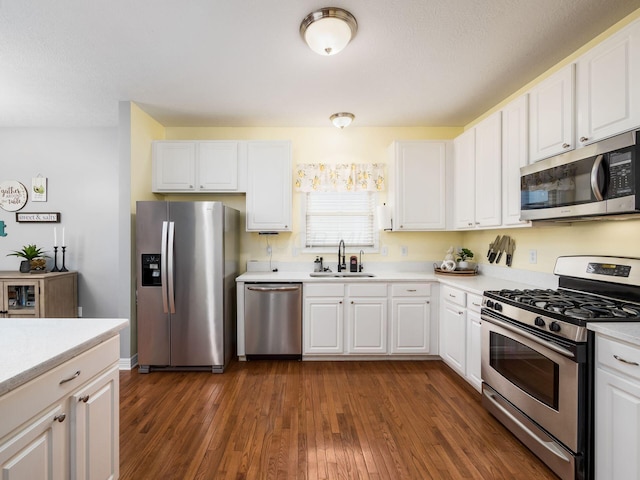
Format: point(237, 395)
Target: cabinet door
point(174, 166)
point(515, 154)
point(607, 77)
point(95, 428)
point(38, 450)
point(367, 325)
point(22, 298)
point(473, 349)
point(410, 325)
point(464, 183)
point(420, 186)
point(488, 188)
point(323, 325)
point(269, 186)
point(218, 166)
point(617, 431)
point(453, 334)
point(551, 115)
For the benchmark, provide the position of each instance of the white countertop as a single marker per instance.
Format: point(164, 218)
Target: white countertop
point(626, 331)
point(30, 347)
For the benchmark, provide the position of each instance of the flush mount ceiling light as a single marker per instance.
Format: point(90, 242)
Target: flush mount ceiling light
point(328, 30)
point(342, 119)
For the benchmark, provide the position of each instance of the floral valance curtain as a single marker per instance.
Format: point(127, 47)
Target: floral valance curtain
point(343, 177)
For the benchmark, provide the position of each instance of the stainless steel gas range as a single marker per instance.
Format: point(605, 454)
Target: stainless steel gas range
point(537, 356)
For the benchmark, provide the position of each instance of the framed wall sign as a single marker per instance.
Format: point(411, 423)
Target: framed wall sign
point(13, 195)
point(47, 217)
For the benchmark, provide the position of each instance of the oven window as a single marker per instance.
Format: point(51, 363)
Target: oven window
point(524, 367)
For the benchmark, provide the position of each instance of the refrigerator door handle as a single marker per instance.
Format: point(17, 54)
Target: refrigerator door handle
point(171, 264)
point(163, 267)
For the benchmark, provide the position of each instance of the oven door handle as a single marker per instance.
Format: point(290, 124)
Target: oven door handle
point(551, 447)
point(525, 334)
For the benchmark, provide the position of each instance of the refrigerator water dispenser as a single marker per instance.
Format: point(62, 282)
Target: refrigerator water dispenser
point(151, 270)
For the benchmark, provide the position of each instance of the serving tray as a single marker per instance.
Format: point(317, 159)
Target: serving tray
point(455, 272)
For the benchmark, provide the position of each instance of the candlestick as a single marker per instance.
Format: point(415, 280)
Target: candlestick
point(55, 237)
point(63, 269)
point(63, 242)
point(55, 259)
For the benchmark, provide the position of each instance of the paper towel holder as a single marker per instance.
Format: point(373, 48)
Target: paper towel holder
point(385, 221)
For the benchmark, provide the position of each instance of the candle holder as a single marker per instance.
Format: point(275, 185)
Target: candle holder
point(55, 260)
point(63, 269)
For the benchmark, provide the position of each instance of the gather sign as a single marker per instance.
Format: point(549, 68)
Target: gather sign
point(13, 195)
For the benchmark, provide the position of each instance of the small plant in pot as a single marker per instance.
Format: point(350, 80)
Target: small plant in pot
point(34, 258)
point(464, 260)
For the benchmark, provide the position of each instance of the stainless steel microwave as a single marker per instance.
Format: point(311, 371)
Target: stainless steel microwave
point(597, 180)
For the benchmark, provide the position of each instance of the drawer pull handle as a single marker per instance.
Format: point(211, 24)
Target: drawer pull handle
point(452, 295)
point(476, 304)
point(628, 362)
point(84, 399)
point(60, 418)
point(411, 290)
point(73, 377)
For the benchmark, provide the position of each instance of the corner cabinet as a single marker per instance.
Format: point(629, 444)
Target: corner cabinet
point(417, 184)
point(36, 295)
point(198, 167)
point(269, 186)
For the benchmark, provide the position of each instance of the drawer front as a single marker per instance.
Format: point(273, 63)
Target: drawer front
point(411, 290)
point(474, 302)
point(454, 295)
point(619, 356)
point(367, 290)
point(323, 289)
point(32, 397)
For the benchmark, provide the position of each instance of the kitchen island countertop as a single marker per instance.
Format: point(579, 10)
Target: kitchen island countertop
point(32, 346)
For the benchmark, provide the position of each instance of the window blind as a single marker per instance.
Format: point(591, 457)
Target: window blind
point(332, 216)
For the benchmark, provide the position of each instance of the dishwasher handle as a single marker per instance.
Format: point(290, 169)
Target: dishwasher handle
point(274, 289)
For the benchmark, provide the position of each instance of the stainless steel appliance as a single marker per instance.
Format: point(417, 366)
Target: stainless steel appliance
point(187, 262)
point(537, 356)
point(273, 319)
point(596, 180)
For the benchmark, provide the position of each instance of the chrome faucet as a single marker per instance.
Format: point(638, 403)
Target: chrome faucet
point(360, 267)
point(342, 265)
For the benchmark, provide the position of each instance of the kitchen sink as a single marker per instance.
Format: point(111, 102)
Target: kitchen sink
point(342, 274)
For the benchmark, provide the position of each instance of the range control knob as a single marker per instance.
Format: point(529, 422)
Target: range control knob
point(554, 326)
point(497, 307)
point(489, 304)
point(539, 322)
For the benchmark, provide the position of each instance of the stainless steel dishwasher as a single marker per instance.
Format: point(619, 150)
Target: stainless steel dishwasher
point(273, 320)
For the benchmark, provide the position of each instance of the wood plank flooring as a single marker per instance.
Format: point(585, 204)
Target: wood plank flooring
point(314, 420)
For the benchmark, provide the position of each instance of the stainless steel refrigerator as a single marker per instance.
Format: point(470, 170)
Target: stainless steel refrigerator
point(187, 263)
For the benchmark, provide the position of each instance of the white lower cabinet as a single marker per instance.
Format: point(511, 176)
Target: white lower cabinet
point(460, 333)
point(64, 424)
point(617, 410)
point(367, 319)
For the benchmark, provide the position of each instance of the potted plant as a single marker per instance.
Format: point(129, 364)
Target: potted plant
point(34, 258)
point(464, 260)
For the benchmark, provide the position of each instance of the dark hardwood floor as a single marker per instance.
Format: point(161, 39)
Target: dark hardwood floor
point(314, 420)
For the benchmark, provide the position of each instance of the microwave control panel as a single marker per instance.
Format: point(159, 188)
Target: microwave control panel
point(621, 174)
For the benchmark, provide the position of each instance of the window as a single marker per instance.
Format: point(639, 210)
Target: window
point(332, 216)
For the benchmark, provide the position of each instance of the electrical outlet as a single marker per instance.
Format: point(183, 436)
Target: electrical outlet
point(295, 251)
point(269, 251)
point(384, 251)
point(404, 250)
point(79, 312)
point(533, 256)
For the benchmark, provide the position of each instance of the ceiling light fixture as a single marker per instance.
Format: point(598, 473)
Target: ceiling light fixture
point(328, 30)
point(342, 119)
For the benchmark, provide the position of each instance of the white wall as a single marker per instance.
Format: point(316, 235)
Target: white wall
point(81, 165)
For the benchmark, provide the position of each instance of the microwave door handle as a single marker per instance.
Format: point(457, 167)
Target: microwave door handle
point(163, 268)
point(595, 169)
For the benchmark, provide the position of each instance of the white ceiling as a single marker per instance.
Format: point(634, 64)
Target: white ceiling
point(243, 63)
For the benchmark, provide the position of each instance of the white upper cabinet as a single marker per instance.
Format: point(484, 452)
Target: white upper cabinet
point(608, 96)
point(515, 154)
point(269, 186)
point(417, 186)
point(477, 175)
point(198, 166)
point(551, 115)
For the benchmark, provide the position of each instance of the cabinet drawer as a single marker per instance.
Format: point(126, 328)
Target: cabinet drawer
point(411, 289)
point(323, 289)
point(454, 295)
point(619, 356)
point(368, 290)
point(474, 302)
point(46, 389)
